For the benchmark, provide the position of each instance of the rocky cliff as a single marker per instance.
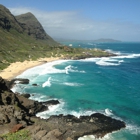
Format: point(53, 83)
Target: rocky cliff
point(22, 38)
point(32, 27)
point(18, 112)
point(25, 23)
point(8, 21)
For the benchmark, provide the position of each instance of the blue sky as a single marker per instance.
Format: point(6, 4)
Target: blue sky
point(84, 19)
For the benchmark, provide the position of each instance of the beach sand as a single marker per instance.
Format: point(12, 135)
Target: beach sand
point(17, 68)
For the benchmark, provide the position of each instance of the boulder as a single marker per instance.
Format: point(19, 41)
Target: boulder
point(34, 85)
point(16, 128)
point(26, 95)
point(51, 102)
point(3, 85)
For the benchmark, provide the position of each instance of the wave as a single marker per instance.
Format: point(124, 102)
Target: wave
point(111, 61)
point(71, 68)
point(103, 62)
point(133, 129)
point(52, 110)
point(72, 84)
point(49, 67)
point(128, 56)
point(92, 137)
point(114, 52)
point(68, 68)
point(39, 97)
point(108, 112)
point(47, 83)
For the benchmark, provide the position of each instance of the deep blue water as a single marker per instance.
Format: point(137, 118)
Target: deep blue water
point(106, 85)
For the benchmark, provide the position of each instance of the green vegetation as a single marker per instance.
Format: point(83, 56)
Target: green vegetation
point(23, 38)
point(17, 46)
point(20, 135)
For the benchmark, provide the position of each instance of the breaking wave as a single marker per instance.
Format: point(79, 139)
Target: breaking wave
point(47, 83)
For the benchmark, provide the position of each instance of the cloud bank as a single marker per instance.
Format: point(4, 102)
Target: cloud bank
point(72, 25)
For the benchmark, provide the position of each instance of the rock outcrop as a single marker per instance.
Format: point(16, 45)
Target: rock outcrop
point(32, 27)
point(70, 127)
point(8, 21)
point(25, 23)
point(18, 112)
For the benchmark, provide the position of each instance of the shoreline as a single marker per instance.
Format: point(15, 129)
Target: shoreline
point(16, 68)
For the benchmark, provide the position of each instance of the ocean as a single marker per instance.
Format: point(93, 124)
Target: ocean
point(106, 85)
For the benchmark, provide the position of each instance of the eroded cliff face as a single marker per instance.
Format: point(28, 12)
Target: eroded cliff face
point(18, 112)
point(8, 21)
point(32, 26)
point(25, 23)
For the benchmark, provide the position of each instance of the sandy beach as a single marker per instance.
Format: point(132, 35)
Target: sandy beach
point(18, 67)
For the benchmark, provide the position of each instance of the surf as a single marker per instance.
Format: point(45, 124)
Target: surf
point(47, 83)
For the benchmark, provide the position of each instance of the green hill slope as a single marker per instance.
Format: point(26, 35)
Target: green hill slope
point(23, 38)
point(17, 43)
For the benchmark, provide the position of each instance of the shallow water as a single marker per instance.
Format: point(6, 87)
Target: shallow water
point(106, 85)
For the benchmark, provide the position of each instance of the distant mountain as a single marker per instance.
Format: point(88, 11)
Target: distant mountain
point(98, 40)
point(106, 40)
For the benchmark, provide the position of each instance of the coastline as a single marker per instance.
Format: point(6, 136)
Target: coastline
point(17, 68)
point(68, 122)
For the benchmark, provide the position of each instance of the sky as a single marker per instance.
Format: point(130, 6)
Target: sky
point(83, 19)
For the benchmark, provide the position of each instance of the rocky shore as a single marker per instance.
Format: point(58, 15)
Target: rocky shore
point(18, 112)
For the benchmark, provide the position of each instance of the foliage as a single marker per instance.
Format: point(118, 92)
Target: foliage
point(17, 46)
point(20, 135)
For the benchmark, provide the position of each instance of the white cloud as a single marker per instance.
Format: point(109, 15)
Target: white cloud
point(70, 24)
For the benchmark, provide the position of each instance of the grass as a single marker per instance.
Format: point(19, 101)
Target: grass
point(20, 135)
point(15, 46)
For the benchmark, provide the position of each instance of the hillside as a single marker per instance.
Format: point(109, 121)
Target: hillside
point(23, 38)
point(32, 27)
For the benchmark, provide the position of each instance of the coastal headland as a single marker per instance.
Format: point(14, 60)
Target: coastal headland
point(18, 114)
point(25, 44)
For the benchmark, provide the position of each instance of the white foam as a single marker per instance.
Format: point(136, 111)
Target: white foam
point(72, 84)
point(128, 56)
point(67, 69)
point(52, 110)
point(111, 61)
point(47, 83)
point(114, 52)
point(92, 137)
point(19, 88)
point(49, 68)
point(133, 129)
point(104, 61)
point(39, 97)
point(107, 62)
point(108, 112)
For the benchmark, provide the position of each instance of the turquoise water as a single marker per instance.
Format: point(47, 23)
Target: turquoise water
point(106, 85)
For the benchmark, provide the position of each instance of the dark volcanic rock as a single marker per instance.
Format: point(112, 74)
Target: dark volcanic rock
point(18, 111)
point(70, 127)
point(20, 81)
point(26, 95)
point(51, 102)
point(34, 85)
point(3, 85)
point(97, 124)
point(11, 83)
